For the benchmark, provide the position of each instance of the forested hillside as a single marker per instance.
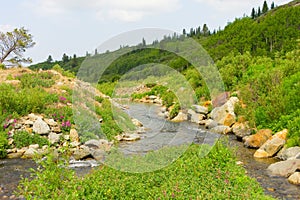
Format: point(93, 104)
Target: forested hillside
point(257, 56)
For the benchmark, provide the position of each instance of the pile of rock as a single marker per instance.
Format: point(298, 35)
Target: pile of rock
point(151, 99)
point(52, 130)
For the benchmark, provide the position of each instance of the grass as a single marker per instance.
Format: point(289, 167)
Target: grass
point(216, 176)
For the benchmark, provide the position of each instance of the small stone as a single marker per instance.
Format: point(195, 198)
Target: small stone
point(180, 117)
point(93, 143)
point(53, 138)
point(74, 137)
point(131, 137)
point(51, 122)
point(14, 155)
point(30, 153)
point(295, 178)
point(74, 144)
point(32, 117)
point(67, 137)
point(40, 127)
point(137, 122)
point(56, 129)
point(34, 146)
point(209, 124)
point(241, 129)
point(200, 109)
point(29, 130)
point(221, 130)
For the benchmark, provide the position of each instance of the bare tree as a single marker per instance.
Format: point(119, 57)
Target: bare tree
point(13, 45)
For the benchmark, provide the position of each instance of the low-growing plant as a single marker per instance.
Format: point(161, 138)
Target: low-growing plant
point(31, 80)
point(3, 144)
point(24, 139)
point(191, 176)
point(175, 110)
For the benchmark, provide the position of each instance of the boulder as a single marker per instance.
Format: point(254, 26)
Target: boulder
point(194, 117)
point(273, 145)
point(284, 168)
point(241, 129)
point(81, 153)
point(34, 146)
point(93, 144)
point(282, 134)
point(74, 137)
point(290, 153)
point(269, 148)
point(200, 109)
point(137, 122)
point(53, 138)
point(295, 178)
point(258, 139)
point(40, 127)
point(152, 97)
point(225, 114)
point(221, 129)
point(180, 117)
point(98, 154)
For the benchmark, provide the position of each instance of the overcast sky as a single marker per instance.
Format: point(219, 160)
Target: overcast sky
point(77, 26)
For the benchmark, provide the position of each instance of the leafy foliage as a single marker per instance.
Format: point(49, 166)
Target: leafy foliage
point(215, 176)
point(24, 139)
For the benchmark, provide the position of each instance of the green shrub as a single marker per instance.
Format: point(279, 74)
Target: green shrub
point(24, 139)
point(31, 80)
point(174, 112)
point(216, 176)
point(24, 101)
point(3, 144)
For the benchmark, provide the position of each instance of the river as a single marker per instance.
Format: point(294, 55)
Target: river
point(159, 133)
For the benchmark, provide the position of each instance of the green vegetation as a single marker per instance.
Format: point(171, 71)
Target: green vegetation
point(31, 80)
point(215, 176)
point(24, 100)
point(24, 139)
point(3, 144)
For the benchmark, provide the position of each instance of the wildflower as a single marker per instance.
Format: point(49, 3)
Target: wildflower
point(63, 124)
point(61, 98)
point(68, 123)
point(5, 126)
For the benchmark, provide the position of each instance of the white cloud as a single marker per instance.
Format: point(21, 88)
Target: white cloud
point(124, 10)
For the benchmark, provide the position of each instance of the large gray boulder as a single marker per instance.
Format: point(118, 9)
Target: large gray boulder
point(284, 168)
point(81, 153)
point(290, 153)
point(40, 127)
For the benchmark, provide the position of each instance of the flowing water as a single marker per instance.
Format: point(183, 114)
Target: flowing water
point(159, 133)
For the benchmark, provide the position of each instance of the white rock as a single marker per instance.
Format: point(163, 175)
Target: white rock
point(40, 127)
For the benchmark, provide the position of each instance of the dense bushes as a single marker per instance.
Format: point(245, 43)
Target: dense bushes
point(269, 88)
point(24, 139)
point(3, 144)
point(25, 100)
point(215, 176)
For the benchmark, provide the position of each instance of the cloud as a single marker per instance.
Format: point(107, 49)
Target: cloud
point(123, 10)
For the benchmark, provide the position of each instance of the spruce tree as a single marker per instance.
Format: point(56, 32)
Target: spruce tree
point(253, 13)
point(272, 5)
point(265, 7)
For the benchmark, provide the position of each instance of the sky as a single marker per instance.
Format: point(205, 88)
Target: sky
point(78, 26)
